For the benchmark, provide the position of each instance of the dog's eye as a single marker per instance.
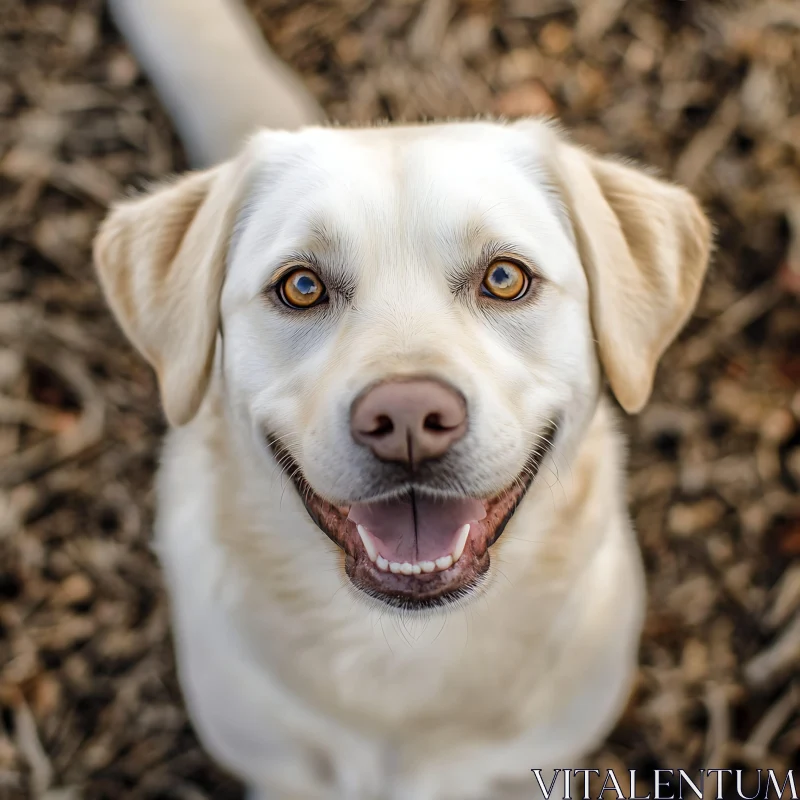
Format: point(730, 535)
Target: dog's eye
point(302, 289)
point(505, 280)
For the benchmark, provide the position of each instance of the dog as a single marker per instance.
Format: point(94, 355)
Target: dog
point(391, 505)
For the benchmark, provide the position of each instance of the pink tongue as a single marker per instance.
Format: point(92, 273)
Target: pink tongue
point(423, 531)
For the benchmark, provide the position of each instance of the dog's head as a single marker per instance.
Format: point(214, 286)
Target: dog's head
point(408, 320)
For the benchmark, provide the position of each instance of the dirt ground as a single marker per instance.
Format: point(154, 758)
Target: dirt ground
point(708, 92)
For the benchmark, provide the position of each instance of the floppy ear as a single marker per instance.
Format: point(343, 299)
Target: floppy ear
point(644, 244)
point(161, 263)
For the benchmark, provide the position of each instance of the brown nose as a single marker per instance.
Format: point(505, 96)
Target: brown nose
point(409, 421)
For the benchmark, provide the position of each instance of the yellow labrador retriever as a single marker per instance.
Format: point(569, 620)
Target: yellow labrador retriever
point(391, 510)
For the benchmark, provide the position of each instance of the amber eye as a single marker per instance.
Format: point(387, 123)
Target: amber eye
point(505, 280)
point(302, 289)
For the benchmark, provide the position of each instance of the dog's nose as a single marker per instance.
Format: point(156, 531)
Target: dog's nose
point(409, 420)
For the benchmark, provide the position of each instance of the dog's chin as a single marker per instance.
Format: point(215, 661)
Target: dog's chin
point(417, 572)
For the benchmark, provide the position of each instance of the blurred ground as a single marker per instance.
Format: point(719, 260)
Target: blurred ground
point(709, 92)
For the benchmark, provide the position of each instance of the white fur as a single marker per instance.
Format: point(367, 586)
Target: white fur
point(284, 665)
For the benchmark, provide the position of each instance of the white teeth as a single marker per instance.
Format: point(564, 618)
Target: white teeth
point(406, 567)
point(461, 540)
point(369, 545)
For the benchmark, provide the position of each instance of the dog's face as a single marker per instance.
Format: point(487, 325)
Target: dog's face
point(406, 324)
point(411, 320)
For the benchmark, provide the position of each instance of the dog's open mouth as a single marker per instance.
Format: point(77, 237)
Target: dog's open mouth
point(418, 549)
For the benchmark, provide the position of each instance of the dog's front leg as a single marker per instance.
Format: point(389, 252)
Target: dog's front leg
point(552, 787)
point(254, 793)
point(258, 794)
point(268, 794)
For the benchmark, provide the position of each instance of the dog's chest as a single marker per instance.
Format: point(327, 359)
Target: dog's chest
point(440, 716)
point(457, 745)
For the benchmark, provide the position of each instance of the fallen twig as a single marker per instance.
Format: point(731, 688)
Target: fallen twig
point(702, 150)
point(69, 442)
point(719, 726)
point(783, 654)
point(745, 311)
point(770, 725)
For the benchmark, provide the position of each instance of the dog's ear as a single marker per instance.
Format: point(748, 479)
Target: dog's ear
point(161, 262)
point(645, 245)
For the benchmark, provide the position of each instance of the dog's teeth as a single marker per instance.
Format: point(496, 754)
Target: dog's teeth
point(407, 568)
point(369, 545)
point(445, 562)
point(461, 540)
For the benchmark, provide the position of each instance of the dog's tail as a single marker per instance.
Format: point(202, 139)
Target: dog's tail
point(215, 74)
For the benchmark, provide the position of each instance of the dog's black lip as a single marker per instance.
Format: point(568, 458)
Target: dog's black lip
point(527, 476)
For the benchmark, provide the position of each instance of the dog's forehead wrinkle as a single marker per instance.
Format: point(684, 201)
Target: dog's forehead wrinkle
point(324, 237)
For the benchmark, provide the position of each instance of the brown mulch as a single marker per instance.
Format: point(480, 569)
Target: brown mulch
point(709, 92)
